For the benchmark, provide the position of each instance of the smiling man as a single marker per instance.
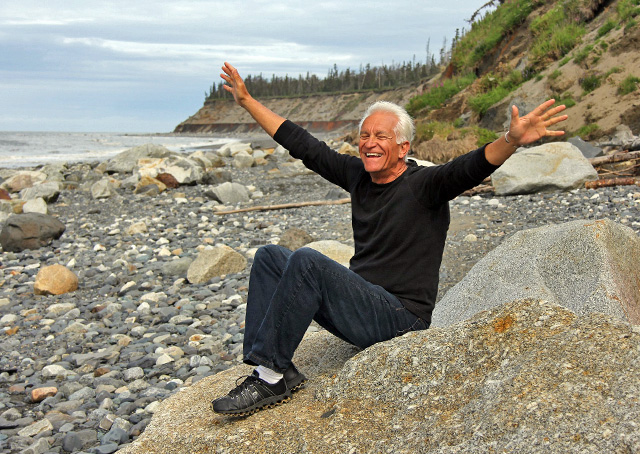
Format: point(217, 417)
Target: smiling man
point(400, 217)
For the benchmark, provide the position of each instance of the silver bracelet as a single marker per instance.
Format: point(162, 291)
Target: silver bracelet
point(507, 140)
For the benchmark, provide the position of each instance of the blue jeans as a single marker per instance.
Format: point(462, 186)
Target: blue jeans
point(287, 290)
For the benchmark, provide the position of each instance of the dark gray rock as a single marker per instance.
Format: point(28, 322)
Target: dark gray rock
point(588, 150)
point(80, 440)
point(30, 231)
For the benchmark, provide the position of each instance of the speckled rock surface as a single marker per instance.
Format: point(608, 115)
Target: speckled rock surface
point(586, 266)
point(528, 376)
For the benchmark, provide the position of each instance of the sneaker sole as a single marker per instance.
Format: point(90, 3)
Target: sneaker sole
point(297, 384)
point(253, 409)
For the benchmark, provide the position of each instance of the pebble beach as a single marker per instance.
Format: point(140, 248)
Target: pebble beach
point(136, 331)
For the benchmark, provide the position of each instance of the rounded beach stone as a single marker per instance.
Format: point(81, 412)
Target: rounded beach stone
point(55, 280)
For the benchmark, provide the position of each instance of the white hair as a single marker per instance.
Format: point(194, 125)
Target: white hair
point(404, 129)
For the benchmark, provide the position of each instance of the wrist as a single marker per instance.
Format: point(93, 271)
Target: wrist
point(510, 142)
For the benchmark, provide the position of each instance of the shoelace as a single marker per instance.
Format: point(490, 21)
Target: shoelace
point(240, 387)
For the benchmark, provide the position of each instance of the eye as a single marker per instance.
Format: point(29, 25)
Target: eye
point(364, 136)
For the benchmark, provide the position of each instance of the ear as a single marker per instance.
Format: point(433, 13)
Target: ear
point(404, 149)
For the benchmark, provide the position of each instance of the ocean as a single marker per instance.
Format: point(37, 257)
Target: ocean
point(29, 149)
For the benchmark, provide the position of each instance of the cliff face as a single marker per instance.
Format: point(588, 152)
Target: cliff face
point(316, 113)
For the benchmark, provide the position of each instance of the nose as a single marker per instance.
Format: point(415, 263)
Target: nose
point(370, 142)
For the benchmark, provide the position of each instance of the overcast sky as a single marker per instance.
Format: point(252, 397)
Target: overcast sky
point(145, 65)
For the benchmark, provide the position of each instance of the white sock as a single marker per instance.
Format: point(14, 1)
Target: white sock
point(270, 376)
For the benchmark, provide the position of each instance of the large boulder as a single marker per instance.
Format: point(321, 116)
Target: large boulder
point(243, 160)
point(586, 266)
point(127, 161)
point(103, 189)
point(229, 193)
point(23, 179)
point(233, 148)
point(528, 376)
point(333, 249)
point(30, 231)
point(49, 191)
point(180, 167)
point(557, 166)
point(215, 262)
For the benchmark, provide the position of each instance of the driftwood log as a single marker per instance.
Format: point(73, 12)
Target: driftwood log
point(609, 182)
point(285, 206)
point(616, 157)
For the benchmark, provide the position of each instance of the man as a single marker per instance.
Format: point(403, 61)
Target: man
point(400, 217)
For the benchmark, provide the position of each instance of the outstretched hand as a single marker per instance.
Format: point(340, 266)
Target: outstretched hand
point(268, 120)
point(235, 84)
point(533, 126)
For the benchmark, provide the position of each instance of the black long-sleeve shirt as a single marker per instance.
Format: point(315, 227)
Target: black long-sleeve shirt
point(399, 228)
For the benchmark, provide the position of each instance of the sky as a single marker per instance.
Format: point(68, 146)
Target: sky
point(145, 65)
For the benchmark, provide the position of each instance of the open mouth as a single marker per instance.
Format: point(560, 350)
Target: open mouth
point(373, 155)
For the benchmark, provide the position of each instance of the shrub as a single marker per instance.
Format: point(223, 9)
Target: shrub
point(627, 9)
point(556, 32)
point(439, 94)
point(484, 135)
point(587, 131)
point(426, 131)
point(590, 83)
point(628, 85)
point(609, 25)
point(487, 33)
point(582, 54)
point(554, 75)
point(565, 99)
point(564, 61)
point(498, 89)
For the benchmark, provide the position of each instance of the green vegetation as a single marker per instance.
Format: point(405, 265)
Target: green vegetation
point(614, 70)
point(495, 90)
point(554, 75)
point(582, 54)
point(484, 135)
point(628, 85)
point(556, 32)
point(590, 83)
point(564, 61)
point(609, 25)
point(438, 95)
point(588, 131)
point(427, 131)
point(487, 33)
point(627, 9)
point(565, 99)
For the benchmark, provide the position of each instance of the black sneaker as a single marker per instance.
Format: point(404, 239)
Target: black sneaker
point(252, 395)
point(294, 379)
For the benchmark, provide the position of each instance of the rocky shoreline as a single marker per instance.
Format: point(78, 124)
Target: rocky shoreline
point(84, 371)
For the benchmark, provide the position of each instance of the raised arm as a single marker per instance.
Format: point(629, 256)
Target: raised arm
point(268, 120)
point(525, 130)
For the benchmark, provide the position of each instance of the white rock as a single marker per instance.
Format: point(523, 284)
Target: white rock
point(37, 205)
point(164, 359)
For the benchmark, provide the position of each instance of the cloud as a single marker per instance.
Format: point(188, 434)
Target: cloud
point(128, 53)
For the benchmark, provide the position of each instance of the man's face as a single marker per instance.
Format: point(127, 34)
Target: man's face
point(383, 158)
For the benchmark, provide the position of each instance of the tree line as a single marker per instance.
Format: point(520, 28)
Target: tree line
point(366, 78)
